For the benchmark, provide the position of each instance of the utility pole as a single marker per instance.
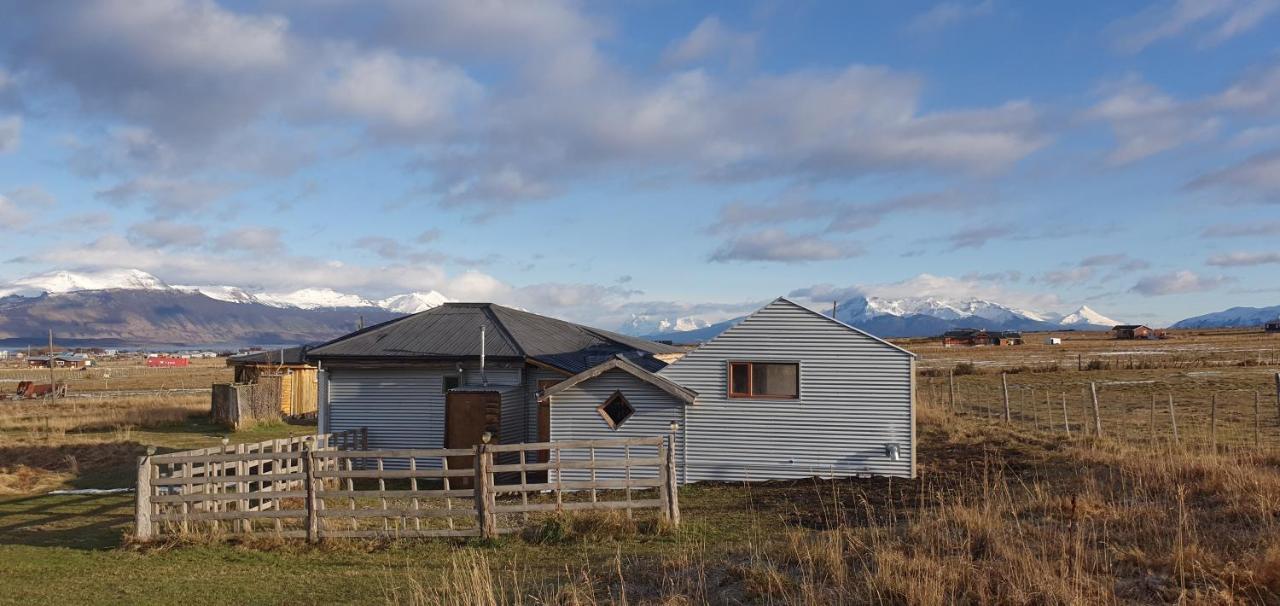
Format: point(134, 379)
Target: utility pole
point(53, 385)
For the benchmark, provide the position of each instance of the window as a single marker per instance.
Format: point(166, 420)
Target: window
point(616, 410)
point(451, 382)
point(764, 380)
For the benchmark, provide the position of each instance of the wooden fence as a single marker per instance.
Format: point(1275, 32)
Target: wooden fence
point(333, 486)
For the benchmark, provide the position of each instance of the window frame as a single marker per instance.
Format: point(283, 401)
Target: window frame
point(444, 382)
point(749, 395)
point(617, 394)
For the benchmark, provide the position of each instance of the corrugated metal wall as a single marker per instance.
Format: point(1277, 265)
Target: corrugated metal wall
point(855, 397)
point(574, 417)
point(534, 375)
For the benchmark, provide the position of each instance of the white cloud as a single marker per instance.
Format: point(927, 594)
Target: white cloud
point(946, 14)
point(399, 96)
point(1146, 121)
point(1259, 174)
point(1244, 259)
point(1215, 20)
point(780, 246)
point(1179, 282)
point(161, 234)
point(10, 134)
point(931, 285)
point(164, 196)
point(1242, 230)
point(256, 240)
point(710, 38)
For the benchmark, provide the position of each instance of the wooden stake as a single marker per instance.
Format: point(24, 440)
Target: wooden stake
point(1173, 420)
point(1257, 419)
point(1066, 423)
point(142, 506)
point(1152, 422)
point(1278, 396)
point(951, 384)
point(1097, 416)
point(309, 486)
point(1213, 423)
point(1004, 382)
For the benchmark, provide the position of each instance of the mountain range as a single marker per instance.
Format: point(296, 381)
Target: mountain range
point(132, 307)
point(927, 316)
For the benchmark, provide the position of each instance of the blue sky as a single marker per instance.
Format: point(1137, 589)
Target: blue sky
point(657, 158)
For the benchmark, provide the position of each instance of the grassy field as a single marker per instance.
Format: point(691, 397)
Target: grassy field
point(1001, 513)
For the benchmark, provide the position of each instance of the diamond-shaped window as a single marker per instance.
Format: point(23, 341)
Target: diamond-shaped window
point(616, 410)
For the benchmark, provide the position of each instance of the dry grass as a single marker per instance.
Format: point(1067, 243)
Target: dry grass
point(122, 375)
point(69, 415)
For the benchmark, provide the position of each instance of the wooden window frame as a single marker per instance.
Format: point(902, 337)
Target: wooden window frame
point(751, 380)
point(444, 381)
point(616, 395)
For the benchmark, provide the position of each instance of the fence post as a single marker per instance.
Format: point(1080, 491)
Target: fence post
point(142, 507)
point(951, 385)
point(1173, 420)
point(673, 481)
point(1066, 423)
point(1097, 416)
point(665, 480)
point(1213, 423)
point(1004, 382)
point(1278, 396)
point(1257, 419)
point(309, 485)
point(1152, 421)
point(483, 491)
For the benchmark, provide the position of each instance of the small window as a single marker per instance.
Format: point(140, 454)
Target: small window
point(764, 380)
point(451, 382)
point(616, 410)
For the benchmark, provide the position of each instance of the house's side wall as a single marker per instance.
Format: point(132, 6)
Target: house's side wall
point(574, 417)
point(855, 397)
point(404, 407)
point(534, 374)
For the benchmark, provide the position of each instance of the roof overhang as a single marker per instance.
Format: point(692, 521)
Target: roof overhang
point(680, 392)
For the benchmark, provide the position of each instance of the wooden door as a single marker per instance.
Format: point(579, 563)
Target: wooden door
point(544, 419)
point(467, 416)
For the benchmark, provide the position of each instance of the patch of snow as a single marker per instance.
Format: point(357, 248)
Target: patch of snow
point(414, 302)
point(62, 281)
point(314, 298)
point(1086, 315)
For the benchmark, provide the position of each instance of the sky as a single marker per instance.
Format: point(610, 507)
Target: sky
point(598, 161)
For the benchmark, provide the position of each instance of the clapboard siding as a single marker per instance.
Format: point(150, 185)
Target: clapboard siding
point(405, 408)
point(574, 417)
point(855, 397)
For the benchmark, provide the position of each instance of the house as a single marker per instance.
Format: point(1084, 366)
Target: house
point(787, 393)
point(60, 360)
point(1132, 331)
point(1007, 337)
point(1272, 326)
point(443, 377)
point(966, 337)
point(291, 378)
point(159, 361)
point(1053, 341)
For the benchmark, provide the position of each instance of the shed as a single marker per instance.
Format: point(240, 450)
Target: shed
point(60, 360)
point(1053, 341)
point(1272, 326)
point(787, 393)
point(167, 362)
point(1132, 331)
point(965, 337)
point(284, 372)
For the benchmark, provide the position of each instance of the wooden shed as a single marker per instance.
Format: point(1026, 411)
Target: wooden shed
point(284, 372)
point(1132, 331)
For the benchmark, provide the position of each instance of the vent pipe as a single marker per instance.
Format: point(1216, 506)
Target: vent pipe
point(484, 379)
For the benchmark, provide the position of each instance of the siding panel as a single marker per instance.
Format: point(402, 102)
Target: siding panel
point(574, 417)
point(855, 397)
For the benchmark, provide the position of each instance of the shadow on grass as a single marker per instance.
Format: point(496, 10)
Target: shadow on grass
point(70, 521)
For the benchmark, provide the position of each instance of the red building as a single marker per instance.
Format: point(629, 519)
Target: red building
point(167, 362)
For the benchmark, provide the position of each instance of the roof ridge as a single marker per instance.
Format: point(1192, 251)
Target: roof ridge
point(506, 334)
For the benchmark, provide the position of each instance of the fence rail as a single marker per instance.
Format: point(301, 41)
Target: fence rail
point(334, 486)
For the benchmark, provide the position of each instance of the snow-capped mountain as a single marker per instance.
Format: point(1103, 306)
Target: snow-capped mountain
point(1236, 317)
point(928, 316)
point(643, 324)
point(414, 302)
point(1087, 316)
point(58, 282)
point(63, 282)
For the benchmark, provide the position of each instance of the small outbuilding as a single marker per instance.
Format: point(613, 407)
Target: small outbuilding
point(966, 337)
point(285, 373)
point(1132, 331)
point(1053, 341)
point(1272, 326)
point(167, 362)
point(60, 360)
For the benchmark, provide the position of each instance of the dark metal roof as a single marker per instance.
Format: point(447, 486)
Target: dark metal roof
point(452, 331)
point(1129, 327)
point(288, 355)
point(684, 394)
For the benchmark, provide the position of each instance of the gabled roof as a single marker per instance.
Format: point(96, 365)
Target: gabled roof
point(787, 301)
point(1129, 327)
point(684, 394)
point(452, 331)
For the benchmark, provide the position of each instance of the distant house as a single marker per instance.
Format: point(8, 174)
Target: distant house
point(1007, 337)
point(155, 361)
point(1053, 341)
point(1132, 331)
point(966, 337)
point(294, 379)
point(1272, 326)
point(60, 360)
